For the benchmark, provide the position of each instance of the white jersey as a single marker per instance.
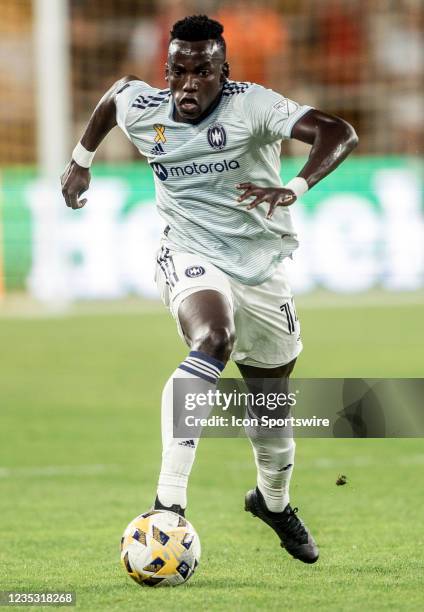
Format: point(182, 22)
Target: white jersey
point(196, 169)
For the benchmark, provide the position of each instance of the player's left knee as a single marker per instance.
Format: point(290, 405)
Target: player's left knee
point(217, 342)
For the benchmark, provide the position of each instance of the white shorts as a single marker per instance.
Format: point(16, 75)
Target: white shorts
point(266, 325)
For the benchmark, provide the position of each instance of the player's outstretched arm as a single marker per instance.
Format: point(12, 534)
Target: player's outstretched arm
point(76, 177)
point(332, 140)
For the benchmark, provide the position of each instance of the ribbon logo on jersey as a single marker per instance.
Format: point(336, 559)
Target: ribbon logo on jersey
point(217, 136)
point(160, 133)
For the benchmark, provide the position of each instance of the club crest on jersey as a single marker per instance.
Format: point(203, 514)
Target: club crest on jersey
point(195, 271)
point(217, 136)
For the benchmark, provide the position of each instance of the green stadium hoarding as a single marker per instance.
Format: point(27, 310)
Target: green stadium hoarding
point(361, 227)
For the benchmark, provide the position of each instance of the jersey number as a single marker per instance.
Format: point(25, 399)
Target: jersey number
point(290, 311)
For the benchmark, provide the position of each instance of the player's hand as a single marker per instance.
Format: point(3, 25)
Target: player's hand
point(75, 181)
point(275, 196)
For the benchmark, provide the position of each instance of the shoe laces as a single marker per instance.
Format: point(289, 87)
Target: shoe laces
point(294, 526)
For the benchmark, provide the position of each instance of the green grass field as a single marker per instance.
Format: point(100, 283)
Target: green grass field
point(80, 454)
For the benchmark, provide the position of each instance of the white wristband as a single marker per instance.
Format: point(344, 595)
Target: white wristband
point(298, 185)
point(82, 157)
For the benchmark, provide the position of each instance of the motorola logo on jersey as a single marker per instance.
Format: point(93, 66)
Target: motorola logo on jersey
point(195, 271)
point(160, 171)
point(217, 136)
point(194, 169)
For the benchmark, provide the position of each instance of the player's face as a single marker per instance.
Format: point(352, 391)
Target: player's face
point(196, 72)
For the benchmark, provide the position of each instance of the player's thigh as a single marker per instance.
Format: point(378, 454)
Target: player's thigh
point(254, 372)
point(204, 313)
point(197, 293)
point(268, 383)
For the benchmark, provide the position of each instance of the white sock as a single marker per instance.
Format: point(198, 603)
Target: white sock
point(274, 458)
point(178, 453)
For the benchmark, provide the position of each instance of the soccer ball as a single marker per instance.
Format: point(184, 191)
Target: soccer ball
point(160, 548)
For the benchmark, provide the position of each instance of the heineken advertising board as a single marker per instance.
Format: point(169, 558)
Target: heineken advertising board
point(360, 228)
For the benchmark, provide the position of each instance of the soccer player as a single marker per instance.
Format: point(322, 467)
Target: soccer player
point(214, 147)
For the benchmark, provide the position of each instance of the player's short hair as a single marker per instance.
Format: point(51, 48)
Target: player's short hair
point(198, 27)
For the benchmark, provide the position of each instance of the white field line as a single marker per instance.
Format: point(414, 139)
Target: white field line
point(58, 470)
point(100, 468)
point(387, 300)
point(363, 461)
point(324, 463)
point(23, 306)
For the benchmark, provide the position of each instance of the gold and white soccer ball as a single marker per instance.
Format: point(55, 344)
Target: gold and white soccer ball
point(160, 548)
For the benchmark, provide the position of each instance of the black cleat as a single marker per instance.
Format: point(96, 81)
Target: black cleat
point(294, 535)
point(174, 508)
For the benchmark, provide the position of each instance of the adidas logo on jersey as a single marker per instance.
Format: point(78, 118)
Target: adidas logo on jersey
point(208, 168)
point(158, 150)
